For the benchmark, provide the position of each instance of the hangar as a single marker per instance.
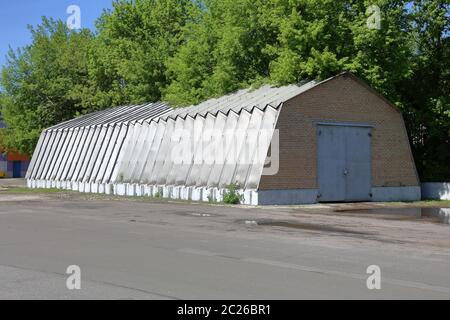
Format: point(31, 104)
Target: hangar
point(332, 141)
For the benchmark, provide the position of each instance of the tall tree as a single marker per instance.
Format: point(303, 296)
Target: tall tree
point(426, 94)
point(234, 43)
point(127, 60)
point(223, 49)
point(40, 82)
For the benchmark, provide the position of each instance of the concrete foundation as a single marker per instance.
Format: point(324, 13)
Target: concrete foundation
point(250, 197)
point(137, 190)
point(287, 197)
point(391, 194)
point(436, 191)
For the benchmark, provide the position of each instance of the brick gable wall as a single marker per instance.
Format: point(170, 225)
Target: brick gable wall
point(342, 99)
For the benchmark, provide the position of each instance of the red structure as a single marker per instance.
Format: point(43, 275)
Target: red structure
point(12, 164)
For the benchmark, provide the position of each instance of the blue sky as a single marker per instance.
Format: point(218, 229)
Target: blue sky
point(15, 15)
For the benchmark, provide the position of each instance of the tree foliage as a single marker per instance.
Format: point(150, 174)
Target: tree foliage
point(40, 82)
point(185, 51)
point(127, 58)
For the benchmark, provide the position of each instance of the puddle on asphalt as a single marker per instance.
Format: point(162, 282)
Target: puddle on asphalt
point(299, 226)
point(436, 215)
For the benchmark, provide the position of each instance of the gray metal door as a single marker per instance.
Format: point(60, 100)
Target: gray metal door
point(344, 163)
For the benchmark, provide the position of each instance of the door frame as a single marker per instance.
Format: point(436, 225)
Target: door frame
point(344, 124)
point(318, 123)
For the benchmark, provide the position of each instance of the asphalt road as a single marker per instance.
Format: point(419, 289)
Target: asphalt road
point(150, 250)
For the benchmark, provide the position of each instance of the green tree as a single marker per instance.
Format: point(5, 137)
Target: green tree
point(235, 43)
point(40, 82)
point(223, 49)
point(128, 57)
point(426, 93)
point(185, 51)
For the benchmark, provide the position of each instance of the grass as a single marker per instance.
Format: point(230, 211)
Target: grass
point(28, 190)
point(89, 196)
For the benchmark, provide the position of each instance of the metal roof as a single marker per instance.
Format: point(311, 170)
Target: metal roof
point(246, 99)
point(117, 115)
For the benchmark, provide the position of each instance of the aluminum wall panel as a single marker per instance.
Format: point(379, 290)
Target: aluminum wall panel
point(40, 156)
point(90, 139)
point(173, 166)
point(234, 151)
point(80, 173)
point(107, 156)
point(226, 143)
point(101, 154)
point(139, 151)
point(115, 154)
point(163, 154)
point(73, 156)
point(264, 140)
point(62, 142)
point(46, 156)
point(62, 159)
point(152, 155)
point(133, 149)
point(35, 156)
point(212, 149)
point(93, 158)
point(248, 149)
point(119, 174)
point(189, 140)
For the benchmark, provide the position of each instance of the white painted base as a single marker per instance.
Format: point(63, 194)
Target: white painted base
point(137, 190)
point(250, 197)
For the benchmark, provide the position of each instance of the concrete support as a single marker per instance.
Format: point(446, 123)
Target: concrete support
point(437, 191)
point(204, 194)
point(287, 197)
point(391, 194)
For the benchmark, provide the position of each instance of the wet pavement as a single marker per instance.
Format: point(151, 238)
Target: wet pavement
point(155, 249)
point(303, 226)
point(436, 215)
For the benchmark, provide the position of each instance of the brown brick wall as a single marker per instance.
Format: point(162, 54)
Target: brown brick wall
point(342, 99)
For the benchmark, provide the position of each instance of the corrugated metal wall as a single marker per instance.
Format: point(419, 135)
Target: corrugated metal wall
point(211, 145)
